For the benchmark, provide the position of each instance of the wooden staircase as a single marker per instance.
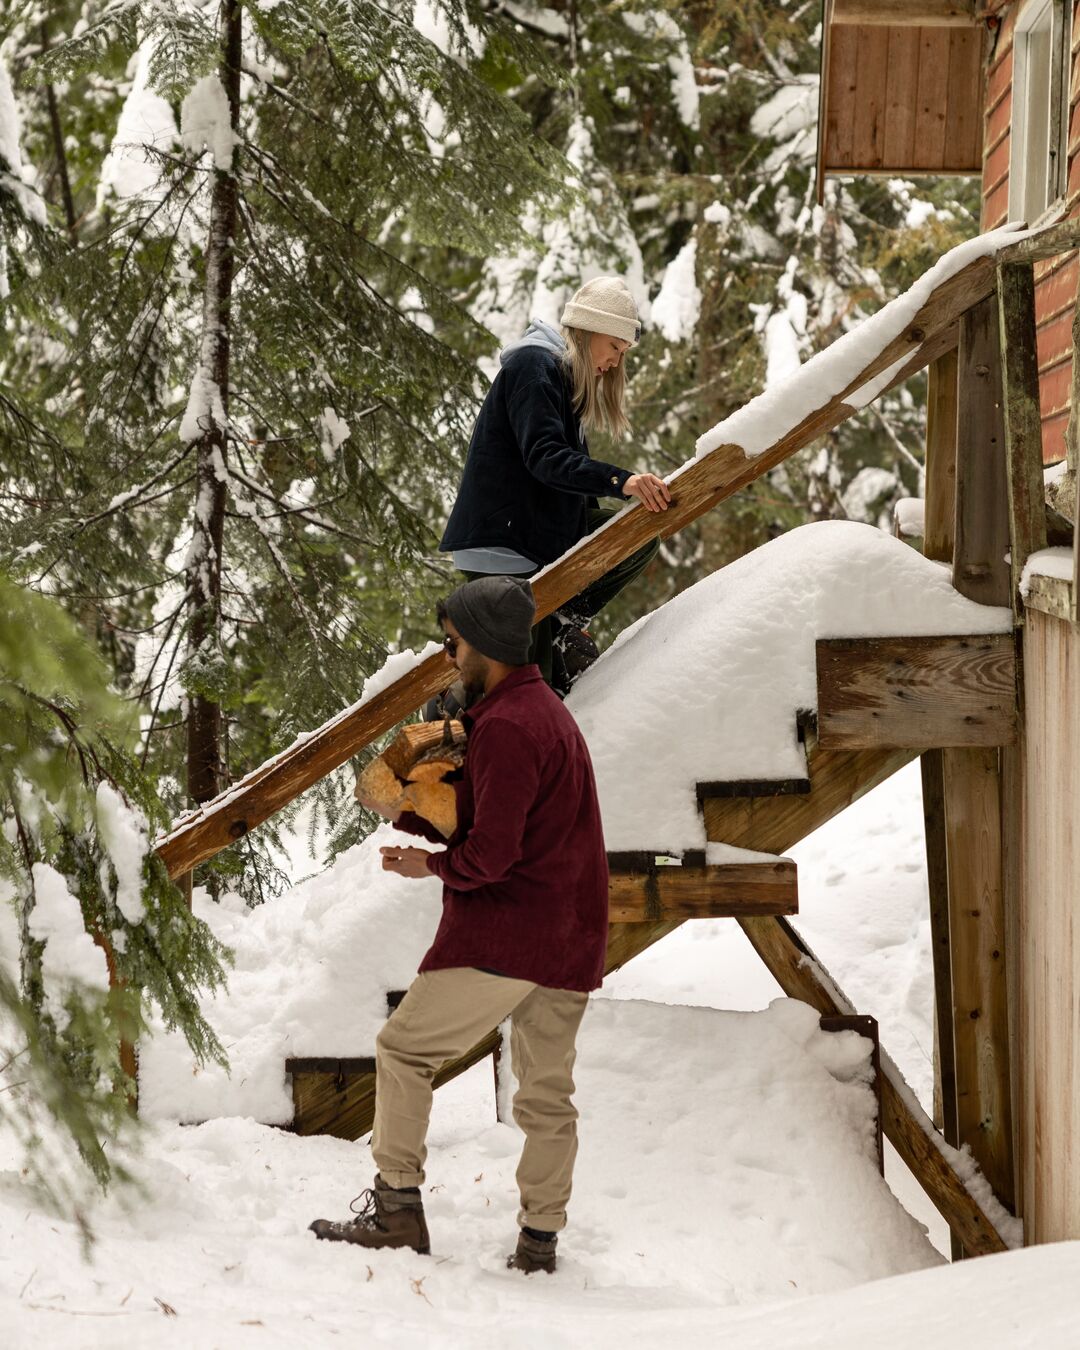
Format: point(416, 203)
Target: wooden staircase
point(880, 705)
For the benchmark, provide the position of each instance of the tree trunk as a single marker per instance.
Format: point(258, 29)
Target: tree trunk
point(205, 766)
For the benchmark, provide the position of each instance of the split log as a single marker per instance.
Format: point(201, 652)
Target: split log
point(436, 802)
point(380, 785)
point(421, 742)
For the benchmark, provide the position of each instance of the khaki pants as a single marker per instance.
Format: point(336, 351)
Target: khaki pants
point(445, 1013)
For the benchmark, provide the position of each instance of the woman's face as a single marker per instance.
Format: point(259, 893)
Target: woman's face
point(605, 352)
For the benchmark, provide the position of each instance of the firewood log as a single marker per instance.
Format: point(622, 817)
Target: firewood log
point(380, 784)
point(436, 802)
point(417, 739)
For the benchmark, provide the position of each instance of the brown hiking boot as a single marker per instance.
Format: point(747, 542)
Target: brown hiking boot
point(533, 1254)
point(385, 1218)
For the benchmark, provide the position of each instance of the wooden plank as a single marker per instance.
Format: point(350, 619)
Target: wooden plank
point(1050, 984)
point(923, 693)
point(1049, 242)
point(1050, 595)
point(937, 876)
point(653, 894)
point(947, 13)
point(964, 107)
point(702, 485)
point(982, 509)
point(940, 511)
point(343, 1104)
point(931, 97)
point(900, 80)
point(1023, 423)
point(977, 947)
point(824, 89)
point(872, 62)
point(752, 787)
point(841, 98)
point(907, 1127)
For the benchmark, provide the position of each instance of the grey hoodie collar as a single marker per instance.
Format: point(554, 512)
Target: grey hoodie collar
point(538, 334)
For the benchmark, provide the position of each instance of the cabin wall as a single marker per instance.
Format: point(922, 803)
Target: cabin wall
point(1056, 280)
point(1047, 997)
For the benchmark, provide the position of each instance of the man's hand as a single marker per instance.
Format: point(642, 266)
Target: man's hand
point(653, 493)
point(406, 862)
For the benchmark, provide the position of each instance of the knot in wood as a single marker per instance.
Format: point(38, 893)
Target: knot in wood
point(238, 829)
point(916, 334)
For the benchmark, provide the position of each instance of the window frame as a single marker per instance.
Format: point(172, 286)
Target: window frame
point(1031, 18)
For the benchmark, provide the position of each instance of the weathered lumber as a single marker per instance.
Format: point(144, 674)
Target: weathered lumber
point(937, 875)
point(1023, 420)
point(752, 787)
point(1050, 595)
point(702, 485)
point(907, 1127)
point(982, 507)
point(653, 893)
point(939, 528)
point(907, 13)
point(923, 692)
point(339, 1099)
point(1049, 242)
point(977, 949)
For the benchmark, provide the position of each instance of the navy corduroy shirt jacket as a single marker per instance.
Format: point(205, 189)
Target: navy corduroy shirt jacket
point(525, 878)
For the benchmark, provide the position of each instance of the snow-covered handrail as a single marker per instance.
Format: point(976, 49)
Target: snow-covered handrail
point(885, 349)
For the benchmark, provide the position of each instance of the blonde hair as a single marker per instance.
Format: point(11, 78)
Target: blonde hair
point(598, 399)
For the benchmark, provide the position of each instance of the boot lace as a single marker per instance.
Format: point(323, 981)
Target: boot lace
point(367, 1215)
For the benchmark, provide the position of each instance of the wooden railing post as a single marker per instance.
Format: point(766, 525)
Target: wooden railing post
point(1023, 421)
point(939, 530)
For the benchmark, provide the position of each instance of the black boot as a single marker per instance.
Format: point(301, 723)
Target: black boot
point(573, 648)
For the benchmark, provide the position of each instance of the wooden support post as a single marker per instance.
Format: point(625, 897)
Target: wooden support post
point(933, 787)
point(1023, 421)
point(982, 509)
point(940, 510)
point(907, 1127)
point(977, 936)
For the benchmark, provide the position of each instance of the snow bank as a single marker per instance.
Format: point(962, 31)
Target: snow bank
point(769, 417)
point(313, 968)
point(707, 686)
point(726, 1161)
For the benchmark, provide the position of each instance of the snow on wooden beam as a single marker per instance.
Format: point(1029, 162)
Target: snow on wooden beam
point(939, 1169)
point(643, 892)
point(923, 693)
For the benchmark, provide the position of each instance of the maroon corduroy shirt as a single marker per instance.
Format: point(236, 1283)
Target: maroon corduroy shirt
point(525, 879)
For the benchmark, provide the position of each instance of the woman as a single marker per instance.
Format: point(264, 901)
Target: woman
point(529, 488)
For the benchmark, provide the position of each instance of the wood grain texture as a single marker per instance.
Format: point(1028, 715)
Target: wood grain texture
point(901, 76)
point(982, 507)
point(923, 693)
point(939, 530)
point(872, 61)
point(937, 876)
point(1023, 420)
point(979, 973)
point(1049, 595)
point(932, 97)
point(800, 974)
point(717, 892)
point(1049, 1020)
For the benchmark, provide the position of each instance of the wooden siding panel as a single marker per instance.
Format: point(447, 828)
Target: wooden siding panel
point(1055, 291)
point(963, 119)
point(868, 149)
point(996, 164)
point(1054, 389)
point(1053, 437)
point(899, 107)
point(1055, 340)
point(996, 207)
point(997, 122)
point(840, 117)
point(1050, 933)
point(931, 98)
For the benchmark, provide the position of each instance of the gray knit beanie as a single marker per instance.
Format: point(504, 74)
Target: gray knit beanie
point(604, 305)
point(495, 615)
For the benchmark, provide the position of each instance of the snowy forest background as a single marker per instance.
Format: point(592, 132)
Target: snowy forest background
point(257, 258)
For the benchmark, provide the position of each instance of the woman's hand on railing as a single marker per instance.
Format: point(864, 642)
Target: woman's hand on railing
point(652, 492)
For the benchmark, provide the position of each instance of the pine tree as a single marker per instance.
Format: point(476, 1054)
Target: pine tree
point(262, 400)
point(93, 936)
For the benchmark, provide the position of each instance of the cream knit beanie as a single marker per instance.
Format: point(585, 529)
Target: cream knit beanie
point(604, 305)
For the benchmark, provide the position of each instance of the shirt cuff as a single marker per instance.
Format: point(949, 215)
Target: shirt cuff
point(616, 479)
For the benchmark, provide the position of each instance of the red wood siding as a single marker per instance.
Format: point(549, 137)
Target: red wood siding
point(1055, 281)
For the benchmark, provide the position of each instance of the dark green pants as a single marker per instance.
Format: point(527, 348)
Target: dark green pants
point(593, 598)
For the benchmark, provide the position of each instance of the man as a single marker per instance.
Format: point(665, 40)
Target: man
point(523, 932)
